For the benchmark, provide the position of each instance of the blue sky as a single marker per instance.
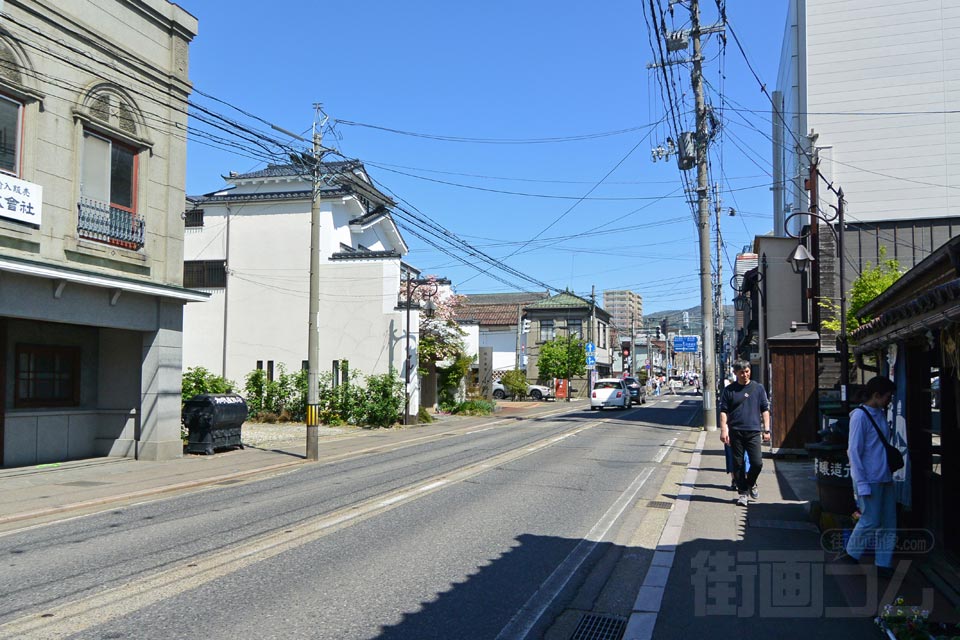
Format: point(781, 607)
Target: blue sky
point(520, 71)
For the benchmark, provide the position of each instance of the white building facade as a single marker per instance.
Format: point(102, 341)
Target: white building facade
point(842, 62)
point(868, 90)
point(91, 236)
point(248, 246)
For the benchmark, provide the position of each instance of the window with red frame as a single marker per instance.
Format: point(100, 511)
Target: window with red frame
point(109, 172)
point(47, 376)
point(10, 112)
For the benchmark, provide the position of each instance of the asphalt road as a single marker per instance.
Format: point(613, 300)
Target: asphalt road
point(492, 532)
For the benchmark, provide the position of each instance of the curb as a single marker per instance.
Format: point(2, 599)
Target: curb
point(646, 606)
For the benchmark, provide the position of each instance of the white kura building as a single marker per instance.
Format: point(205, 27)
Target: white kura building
point(248, 246)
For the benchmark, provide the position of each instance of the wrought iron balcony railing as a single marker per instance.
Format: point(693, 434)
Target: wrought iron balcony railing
point(103, 223)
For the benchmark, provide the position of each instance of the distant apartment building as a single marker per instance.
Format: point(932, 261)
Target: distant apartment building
point(93, 110)
point(625, 309)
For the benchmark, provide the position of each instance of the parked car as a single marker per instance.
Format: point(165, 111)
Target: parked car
point(535, 391)
point(638, 392)
point(610, 392)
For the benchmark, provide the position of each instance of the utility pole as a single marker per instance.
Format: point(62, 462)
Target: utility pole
point(634, 352)
point(720, 320)
point(703, 227)
point(313, 336)
point(813, 182)
point(519, 358)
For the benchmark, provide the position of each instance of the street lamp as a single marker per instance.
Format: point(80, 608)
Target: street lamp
point(801, 258)
point(431, 290)
point(740, 301)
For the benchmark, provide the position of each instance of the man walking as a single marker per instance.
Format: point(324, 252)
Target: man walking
point(744, 423)
point(872, 478)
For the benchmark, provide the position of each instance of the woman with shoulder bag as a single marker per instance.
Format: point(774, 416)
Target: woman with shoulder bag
point(871, 469)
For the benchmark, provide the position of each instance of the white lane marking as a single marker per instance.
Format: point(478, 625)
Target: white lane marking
point(432, 485)
point(85, 613)
point(396, 498)
point(526, 618)
point(664, 450)
point(649, 600)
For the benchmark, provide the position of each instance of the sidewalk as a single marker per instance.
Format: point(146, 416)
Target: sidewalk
point(728, 571)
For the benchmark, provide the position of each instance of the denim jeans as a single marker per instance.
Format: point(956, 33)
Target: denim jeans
point(746, 442)
point(877, 527)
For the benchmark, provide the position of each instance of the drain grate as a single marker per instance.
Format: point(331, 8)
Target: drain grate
point(679, 464)
point(600, 627)
point(660, 504)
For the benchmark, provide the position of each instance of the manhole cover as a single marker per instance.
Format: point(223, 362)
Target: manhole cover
point(600, 627)
point(84, 483)
point(660, 504)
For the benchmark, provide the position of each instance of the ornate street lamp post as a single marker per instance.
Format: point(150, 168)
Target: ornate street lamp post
point(429, 292)
point(801, 259)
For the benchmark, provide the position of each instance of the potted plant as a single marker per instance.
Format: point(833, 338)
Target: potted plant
point(901, 622)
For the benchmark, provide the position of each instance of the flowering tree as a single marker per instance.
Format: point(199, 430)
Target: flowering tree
point(441, 338)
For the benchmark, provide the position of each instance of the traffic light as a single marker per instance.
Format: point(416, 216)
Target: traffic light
point(663, 326)
point(658, 333)
point(626, 350)
point(526, 326)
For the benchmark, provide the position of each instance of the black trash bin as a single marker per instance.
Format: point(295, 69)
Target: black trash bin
point(834, 484)
point(214, 421)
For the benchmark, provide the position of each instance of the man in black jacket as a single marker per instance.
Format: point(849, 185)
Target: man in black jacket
point(744, 423)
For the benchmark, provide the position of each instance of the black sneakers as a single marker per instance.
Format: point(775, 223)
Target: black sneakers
point(754, 493)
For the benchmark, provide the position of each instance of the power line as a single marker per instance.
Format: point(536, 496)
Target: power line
point(475, 140)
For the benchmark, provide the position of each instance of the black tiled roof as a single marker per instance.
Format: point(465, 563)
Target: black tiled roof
point(372, 215)
point(290, 170)
point(364, 255)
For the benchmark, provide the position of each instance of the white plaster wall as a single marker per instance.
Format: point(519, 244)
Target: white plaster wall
point(504, 345)
point(879, 55)
point(267, 298)
point(472, 338)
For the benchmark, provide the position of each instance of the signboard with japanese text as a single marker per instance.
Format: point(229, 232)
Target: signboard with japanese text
point(20, 200)
point(685, 344)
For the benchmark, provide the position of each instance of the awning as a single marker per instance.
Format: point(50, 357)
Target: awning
point(77, 276)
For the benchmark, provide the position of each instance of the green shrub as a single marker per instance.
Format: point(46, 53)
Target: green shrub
point(198, 380)
point(255, 390)
point(449, 378)
point(515, 383)
point(384, 399)
point(285, 396)
point(424, 416)
point(474, 408)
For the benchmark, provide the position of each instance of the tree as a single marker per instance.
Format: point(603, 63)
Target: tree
point(871, 282)
point(562, 357)
point(515, 383)
point(441, 338)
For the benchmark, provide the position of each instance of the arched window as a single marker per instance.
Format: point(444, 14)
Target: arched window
point(109, 169)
